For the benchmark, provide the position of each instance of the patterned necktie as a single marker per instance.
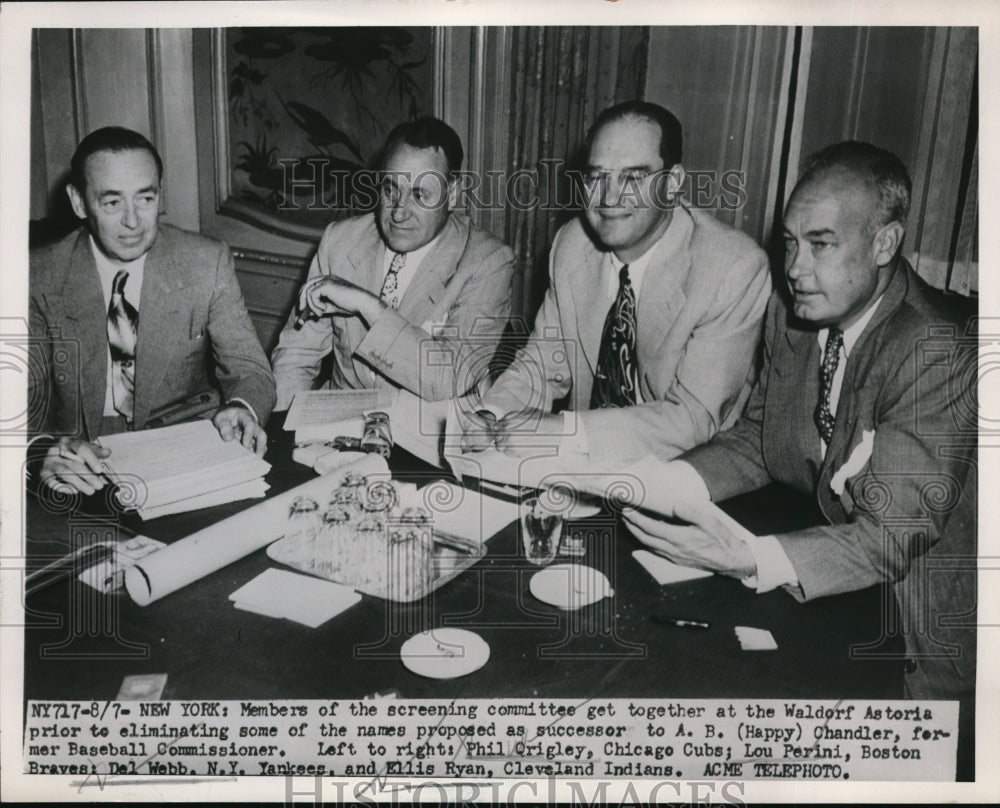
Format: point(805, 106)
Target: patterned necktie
point(831, 358)
point(617, 369)
point(123, 320)
point(389, 295)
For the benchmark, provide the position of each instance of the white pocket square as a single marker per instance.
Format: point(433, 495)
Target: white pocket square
point(859, 458)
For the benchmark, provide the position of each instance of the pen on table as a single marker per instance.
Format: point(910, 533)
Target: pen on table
point(680, 622)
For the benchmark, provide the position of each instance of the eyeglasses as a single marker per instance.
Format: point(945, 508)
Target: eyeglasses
point(624, 177)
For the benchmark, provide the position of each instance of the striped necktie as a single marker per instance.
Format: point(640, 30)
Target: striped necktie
point(617, 376)
point(123, 320)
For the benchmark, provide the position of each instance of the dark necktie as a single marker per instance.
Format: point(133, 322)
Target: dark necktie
point(123, 320)
point(831, 358)
point(617, 369)
point(389, 294)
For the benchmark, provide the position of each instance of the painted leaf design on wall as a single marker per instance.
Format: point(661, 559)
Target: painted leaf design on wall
point(321, 132)
point(310, 107)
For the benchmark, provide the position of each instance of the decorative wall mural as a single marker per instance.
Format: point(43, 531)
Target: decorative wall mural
point(309, 109)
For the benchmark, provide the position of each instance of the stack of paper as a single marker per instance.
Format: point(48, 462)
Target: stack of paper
point(181, 468)
point(320, 415)
point(465, 513)
point(302, 598)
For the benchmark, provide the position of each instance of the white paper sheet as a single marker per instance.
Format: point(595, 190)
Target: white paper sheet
point(666, 571)
point(293, 596)
point(212, 548)
point(353, 427)
point(176, 463)
point(467, 514)
point(317, 407)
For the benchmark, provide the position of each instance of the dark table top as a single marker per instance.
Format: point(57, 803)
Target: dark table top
point(80, 644)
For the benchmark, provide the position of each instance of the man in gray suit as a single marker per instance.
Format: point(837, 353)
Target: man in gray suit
point(414, 297)
point(143, 307)
point(860, 405)
point(652, 316)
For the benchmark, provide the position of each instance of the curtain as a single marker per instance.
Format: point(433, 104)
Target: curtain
point(561, 77)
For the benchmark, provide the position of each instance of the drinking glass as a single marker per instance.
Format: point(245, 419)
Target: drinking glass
point(541, 530)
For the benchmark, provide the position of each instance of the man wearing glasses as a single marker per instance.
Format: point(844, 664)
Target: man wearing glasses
point(651, 320)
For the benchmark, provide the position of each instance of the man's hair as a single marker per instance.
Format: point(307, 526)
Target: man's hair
point(427, 133)
point(882, 169)
point(671, 135)
point(110, 139)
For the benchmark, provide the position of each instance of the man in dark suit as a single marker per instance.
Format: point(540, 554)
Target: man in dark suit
point(415, 296)
point(859, 404)
point(651, 319)
point(147, 306)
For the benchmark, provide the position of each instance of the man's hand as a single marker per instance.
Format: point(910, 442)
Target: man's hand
point(236, 422)
point(74, 464)
point(522, 434)
point(479, 431)
point(333, 295)
point(707, 542)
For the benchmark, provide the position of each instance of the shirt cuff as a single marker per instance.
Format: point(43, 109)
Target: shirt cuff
point(773, 566)
point(246, 405)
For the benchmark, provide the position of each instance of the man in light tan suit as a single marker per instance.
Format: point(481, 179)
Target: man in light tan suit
point(414, 296)
point(652, 316)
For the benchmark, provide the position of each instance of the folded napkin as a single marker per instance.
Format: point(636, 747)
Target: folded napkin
point(756, 639)
point(666, 571)
point(302, 598)
point(466, 514)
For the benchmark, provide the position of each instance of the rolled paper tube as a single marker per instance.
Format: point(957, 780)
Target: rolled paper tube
point(192, 558)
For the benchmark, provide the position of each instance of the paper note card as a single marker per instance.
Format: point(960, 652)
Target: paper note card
point(302, 598)
point(666, 571)
point(314, 407)
point(756, 639)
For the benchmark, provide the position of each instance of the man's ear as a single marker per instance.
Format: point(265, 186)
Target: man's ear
point(675, 180)
point(76, 200)
point(886, 242)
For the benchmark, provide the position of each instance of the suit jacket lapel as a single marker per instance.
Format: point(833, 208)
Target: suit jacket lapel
point(365, 258)
point(794, 389)
point(587, 283)
point(161, 325)
point(85, 317)
point(661, 295)
point(435, 271)
point(843, 442)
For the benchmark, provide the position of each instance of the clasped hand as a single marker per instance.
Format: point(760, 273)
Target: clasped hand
point(332, 295)
point(517, 433)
